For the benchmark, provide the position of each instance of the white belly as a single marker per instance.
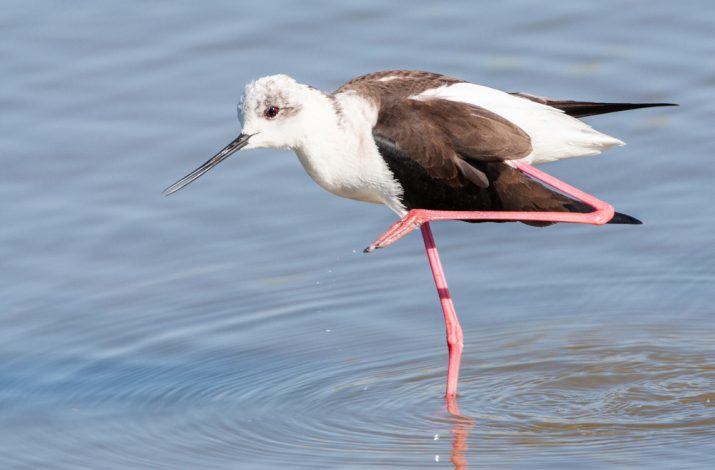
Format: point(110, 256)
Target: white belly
point(372, 183)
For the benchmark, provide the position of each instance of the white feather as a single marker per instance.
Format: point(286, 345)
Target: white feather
point(554, 134)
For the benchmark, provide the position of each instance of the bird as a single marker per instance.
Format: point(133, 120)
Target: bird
point(430, 146)
point(413, 139)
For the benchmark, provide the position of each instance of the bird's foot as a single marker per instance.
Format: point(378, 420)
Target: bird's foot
point(412, 220)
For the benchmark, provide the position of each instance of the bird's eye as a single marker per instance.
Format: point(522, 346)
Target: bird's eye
point(271, 112)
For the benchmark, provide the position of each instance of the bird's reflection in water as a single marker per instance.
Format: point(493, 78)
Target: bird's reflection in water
point(461, 426)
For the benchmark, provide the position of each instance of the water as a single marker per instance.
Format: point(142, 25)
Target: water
point(237, 324)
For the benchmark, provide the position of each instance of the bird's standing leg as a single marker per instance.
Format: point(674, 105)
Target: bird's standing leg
point(455, 339)
point(603, 212)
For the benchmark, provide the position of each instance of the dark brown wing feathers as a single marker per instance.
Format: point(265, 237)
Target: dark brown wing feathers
point(395, 84)
point(476, 133)
point(444, 136)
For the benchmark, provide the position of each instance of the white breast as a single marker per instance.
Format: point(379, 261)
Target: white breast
point(554, 134)
point(341, 156)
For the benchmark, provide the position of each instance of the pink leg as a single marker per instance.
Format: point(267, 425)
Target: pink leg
point(603, 212)
point(454, 329)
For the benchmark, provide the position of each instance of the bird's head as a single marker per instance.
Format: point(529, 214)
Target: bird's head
point(272, 110)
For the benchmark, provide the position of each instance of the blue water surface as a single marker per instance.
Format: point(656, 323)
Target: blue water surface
point(237, 324)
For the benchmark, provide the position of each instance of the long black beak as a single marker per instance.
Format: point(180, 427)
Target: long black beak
point(237, 144)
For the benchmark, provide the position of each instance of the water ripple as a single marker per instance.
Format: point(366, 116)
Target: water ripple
point(562, 386)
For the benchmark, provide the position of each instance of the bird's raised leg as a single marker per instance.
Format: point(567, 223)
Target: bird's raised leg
point(603, 212)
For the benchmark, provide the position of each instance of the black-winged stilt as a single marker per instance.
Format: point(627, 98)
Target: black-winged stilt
point(430, 147)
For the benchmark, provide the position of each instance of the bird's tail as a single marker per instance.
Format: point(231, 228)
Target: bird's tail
point(515, 191)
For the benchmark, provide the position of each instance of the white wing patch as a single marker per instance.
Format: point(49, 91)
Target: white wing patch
point(554, 134)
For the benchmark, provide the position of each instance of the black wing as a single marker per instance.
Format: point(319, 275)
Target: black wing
point(581, 109)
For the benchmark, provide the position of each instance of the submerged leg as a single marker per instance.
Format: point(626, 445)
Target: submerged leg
point(455, 339)
point(603, 212)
